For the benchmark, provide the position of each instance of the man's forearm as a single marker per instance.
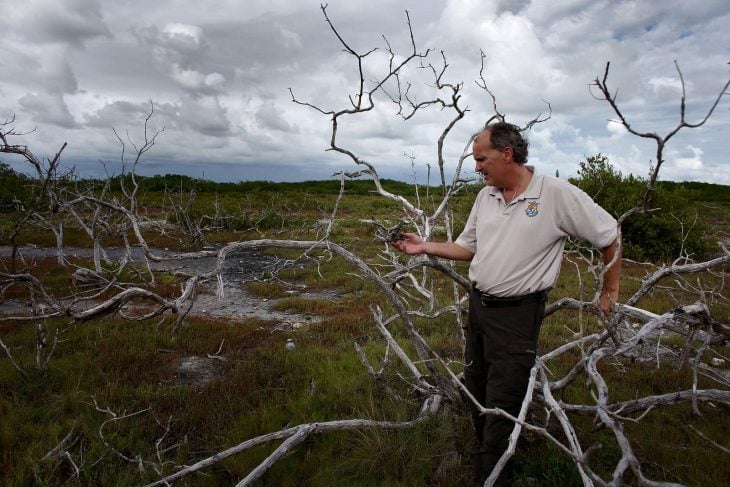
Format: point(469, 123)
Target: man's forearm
point(612, 277)
point(447, 250)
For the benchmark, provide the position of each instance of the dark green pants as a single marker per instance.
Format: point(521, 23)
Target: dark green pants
point(501, 344)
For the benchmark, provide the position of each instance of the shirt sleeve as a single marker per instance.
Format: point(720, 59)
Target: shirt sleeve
point(587, 220)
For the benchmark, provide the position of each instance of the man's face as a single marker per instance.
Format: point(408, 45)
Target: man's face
point(491, 163)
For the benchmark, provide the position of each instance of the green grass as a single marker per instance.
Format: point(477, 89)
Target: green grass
point(261, 387)
point(133, 366)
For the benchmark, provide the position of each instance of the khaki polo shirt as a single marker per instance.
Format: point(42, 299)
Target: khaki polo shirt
point(518, 247)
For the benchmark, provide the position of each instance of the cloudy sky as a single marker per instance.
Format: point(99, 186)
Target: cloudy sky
point(219, 72)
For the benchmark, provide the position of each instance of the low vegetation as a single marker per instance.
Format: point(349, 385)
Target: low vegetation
point(114, 404)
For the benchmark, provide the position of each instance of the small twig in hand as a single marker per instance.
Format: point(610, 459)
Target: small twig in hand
point(384, 233)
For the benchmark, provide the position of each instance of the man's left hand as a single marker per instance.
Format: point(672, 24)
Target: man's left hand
point(606, 302)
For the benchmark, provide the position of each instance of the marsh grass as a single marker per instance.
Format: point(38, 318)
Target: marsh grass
point(267, 290)
point(261, 387)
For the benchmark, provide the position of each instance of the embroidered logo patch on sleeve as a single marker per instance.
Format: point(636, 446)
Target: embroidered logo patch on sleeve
point(532, 208)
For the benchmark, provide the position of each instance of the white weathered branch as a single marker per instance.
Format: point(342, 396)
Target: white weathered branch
point(430, 407)
point(650, 281)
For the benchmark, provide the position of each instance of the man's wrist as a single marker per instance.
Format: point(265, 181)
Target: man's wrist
point(609, 295)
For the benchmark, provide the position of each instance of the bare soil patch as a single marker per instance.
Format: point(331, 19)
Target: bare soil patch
point(195, 371)
point(235, 304)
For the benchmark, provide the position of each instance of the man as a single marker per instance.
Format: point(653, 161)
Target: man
point(514, 238)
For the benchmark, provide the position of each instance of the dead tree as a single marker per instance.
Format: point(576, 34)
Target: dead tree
point(46, 196)
point(691, 321)
point(407, 287)
point(617, 340)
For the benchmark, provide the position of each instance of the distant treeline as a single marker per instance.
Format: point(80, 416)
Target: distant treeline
point(697, 191)
point(657, 236)
point(16, 186)
point(176, 182)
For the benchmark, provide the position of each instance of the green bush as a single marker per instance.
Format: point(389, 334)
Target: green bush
point(13, 188)
point(659, 235)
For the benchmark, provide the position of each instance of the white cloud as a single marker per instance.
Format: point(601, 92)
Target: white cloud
point(616, 129)
point(214, 80)
point(673, 85)
point(186, 32)
point(630, 159)
point(181, 50)
point(690, 163)
point(219, 74)
point(516, 61)
point(196, 81)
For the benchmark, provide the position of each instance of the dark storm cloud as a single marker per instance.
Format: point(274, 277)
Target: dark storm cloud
point(48, 108)
point(126, 114)
point(270, 116)
point(57, 21)
point(206, 115)
point(42, 68)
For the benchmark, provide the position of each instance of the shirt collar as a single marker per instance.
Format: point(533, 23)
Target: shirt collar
point(532, 192)
point(534, 189)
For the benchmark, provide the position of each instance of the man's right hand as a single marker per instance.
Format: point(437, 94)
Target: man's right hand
point(411, 244)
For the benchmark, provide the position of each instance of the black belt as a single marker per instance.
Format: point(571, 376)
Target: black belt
point(491, 301)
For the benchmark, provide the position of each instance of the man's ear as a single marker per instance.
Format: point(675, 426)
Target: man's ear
point(509, 152)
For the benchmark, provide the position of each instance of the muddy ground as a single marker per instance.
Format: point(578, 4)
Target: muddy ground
point(236, 304)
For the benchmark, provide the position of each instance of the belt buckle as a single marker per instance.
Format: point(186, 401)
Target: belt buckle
point(490, 300)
